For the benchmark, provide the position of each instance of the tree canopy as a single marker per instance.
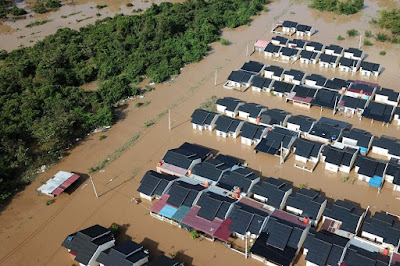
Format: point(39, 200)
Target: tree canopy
point(346, 7)
point(43, 108)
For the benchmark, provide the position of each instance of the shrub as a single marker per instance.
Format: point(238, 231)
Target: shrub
point(224, 41)
point(382, 37)
point(367, 42)
point(352, 32)
point(98, 15)
point(149, 123)
point(53, 3)
point(368, 34)
point(39, 7)
point(194, 234)
point(114, 228)
point(340, 38)
point(149, 88)
point(101, 6)
point(129, 5)
point(49, 202)
point(382, 52)
point(303, 186)
point(15, 11)
point(101, 137)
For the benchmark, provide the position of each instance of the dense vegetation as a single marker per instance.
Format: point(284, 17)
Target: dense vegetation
point(43, 109)
point(346, 7)
point(389, 20)
point(8, 7)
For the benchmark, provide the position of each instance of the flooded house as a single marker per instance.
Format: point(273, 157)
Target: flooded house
point(361, 252)
point(339, 158)
point(274, 72)
point(370, 170)
point(229, 106)
point(343, 218)
point(126, 253)
point(228, 127)
point(87, 244)
point(361, 89)
point(272, 50)
point(326, 98)
point(272, 191)
point(153, 185)
point(392, 173)
point(334, 50)
point(297, 44)
point(359, 139)
point(327, 130)
point(239, 80)
point(337, 85)
point(253, 67)
point(315, 80)
point(309, 57)
point(382, 229)
point(315, 47)
point(307, 153)
point(251, 111)
point(273, 117)
point(300, 123)
point(379, 112)
point(354, 53)
point(204, 120)
point(350, 105)
point(294, 76)
point(369, 69)
point(387, 146)
point(260, 45)
point(252, 134)
point(281, 89)
point(387, 96)
point(328, 61)
point(304, 30)
point(210, 171)
point(396, 116)
point(301, 96)
point(279, 41)
point(289, 54)
point(248, 218)
point(323, 248)
point(180, 160)
point(281, 240)
point(260, 84)
point(240, 181)
point(289, 27)
point(348, 65)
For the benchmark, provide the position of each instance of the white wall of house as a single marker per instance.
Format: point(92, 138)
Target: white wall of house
point(198, 127)
point(231, 83)
point(285, 197)
point(396, 187)
point(380, 150)
point(384, 99)
point(324, 64)
point(294, 210)
point(107, 245)
point(222, 134)
point(389, 178)
point(260, 198)
point(293, 127)
point(345, 168)
point(331, 167)
point(244, 115)
point(308, 263)
point(372, 237)
point(221, 108)
point(305, 61)
point(257, 89)
point(232, 114)
point(146, 197)
point(321, 210)
point(364, 178)
point(247, 141)
point(301, 159)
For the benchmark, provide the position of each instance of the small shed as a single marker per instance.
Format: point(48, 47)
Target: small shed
point(58, 183)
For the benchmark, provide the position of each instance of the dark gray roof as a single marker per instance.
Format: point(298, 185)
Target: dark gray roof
point(317, 46)
point(154, 183)
point(274, 116)
point(252, 67)
point(240, 177)
point(287, 51)
point(211, 169)
point(335, 48)
point(393, 169)
point(275, 138)
point(272, 48)
point(278, 71)
point(125, 254)
point(251, 131)
point(303, 28)
point(261, 82)
point(227, 124)
point(346, 212)
point(328, 58)
point(213, 205)
point(228, 160)
point(273, 189)
point(282, 87)
point(305, 122)
point(324, 248)
point(356, 52)
point(308, 54)
point(329, 128)
point(336, 84)
point(348, 62)
point(289, 24)
point(307, 148)
point(397, 111)
point(229, 102)
point(253, 109)
point(304, 91)
point(383, 225)
point(85, 242)
point(309, 201)
point(183, 194)
point(325, 98)
point(338, 156)
point(246, 219)
point(202, 117)
point(389, 143)
point(379, 111)
point(351, 102)
point(297, 43)
point(358, 256)
point(280, 39)
point(297, 74)
point(391, 94)
point(185, 155)
point(162, 260)
point(365, 88)
point(240, 76)
point(369, 166)
point(370, 66)
point(320, 80)
point(363, 137)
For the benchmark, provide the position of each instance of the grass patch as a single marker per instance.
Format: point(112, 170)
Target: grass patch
point(224, 41)
point(129, 5)
point(98, 15)
point(194, 234)
point(344, 179)
point(382, 37)
point(149, 88)
point(382, 52)
point(368, 34)
point(37, 23)
point(340, 38)
point(209, 104)
point(266, 9)
point(101, 6)
point(368, 42)
point(49, 202)
point(79, 20)
point(149, 123)
point(72, 14)
point(303, 186)
point(137, 10)
point(352, 32)
point(101, 137)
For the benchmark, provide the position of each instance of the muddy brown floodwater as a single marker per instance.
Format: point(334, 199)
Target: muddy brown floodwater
point(31, 233)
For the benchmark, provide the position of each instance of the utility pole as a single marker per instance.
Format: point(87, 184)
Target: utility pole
point(247, 50)
point(216, 75)
point(359, 45)
point(169, 119)
point(281, 153)
point(94, 187)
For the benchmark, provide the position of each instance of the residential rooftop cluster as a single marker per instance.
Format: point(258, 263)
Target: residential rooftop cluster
point(223, 200)
point(365, 99)
point(277, 132)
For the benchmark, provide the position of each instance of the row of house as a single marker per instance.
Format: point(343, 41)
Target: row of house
point(365, 99)
point(221, 198)
point(288, 27)
point(277, 132)
point(95, 246)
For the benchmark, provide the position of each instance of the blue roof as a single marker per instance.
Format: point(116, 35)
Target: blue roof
point(168, 211)
point(375, 181)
